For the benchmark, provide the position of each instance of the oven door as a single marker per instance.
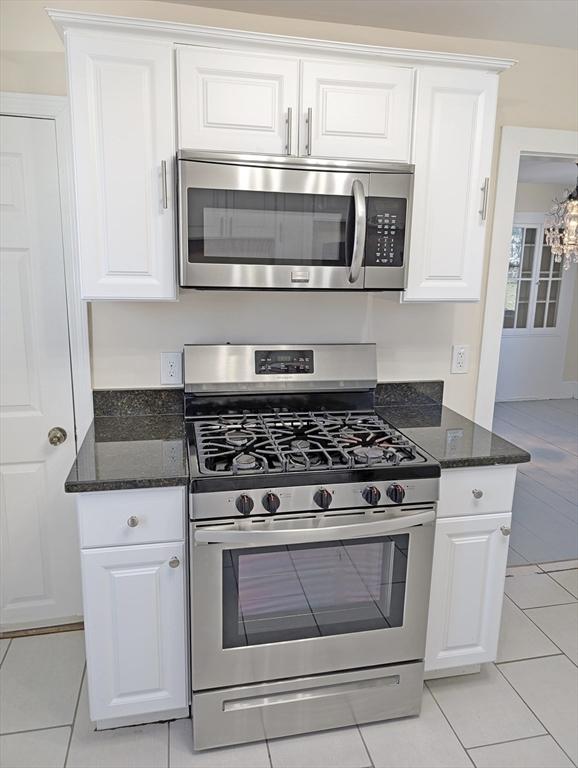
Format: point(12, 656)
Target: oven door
point(278, 598)
point(257, 227)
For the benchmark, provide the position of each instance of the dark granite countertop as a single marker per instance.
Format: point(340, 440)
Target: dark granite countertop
point(135, 451)
point(451, 438)
point(137, 438)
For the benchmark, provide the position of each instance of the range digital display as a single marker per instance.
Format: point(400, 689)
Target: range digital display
point(270, 362)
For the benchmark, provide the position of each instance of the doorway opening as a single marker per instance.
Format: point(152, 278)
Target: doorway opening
point(535, 401)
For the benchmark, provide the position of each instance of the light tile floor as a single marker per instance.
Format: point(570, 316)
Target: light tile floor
point(545, 512)
point(519, 713)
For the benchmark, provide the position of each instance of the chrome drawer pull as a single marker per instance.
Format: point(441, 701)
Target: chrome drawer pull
point(506, 530)
point(174, 562)
point(477, 494)
point(289, 122)
point(133, 521)
point(304, 694)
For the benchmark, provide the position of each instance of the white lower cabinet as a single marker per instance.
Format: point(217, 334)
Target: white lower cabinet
point(135, 629)
point(469, 568)
point(135, 606)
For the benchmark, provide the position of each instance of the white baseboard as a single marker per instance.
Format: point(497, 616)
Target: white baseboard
point(566, 390)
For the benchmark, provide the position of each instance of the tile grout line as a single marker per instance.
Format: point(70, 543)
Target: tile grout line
point(513, 741)
point(6, 654)
point(371, 763)
point(439, 706)
point(269, 753)
point(169, 742)
point(519, 695)
point(572, 595)
point(36, 730)
point(562, 652)
point(74, 716)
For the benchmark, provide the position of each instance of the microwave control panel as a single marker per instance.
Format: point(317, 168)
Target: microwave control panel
point(276, 361)
point(385, 234)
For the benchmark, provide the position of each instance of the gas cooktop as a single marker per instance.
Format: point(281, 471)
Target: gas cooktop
point(256, 443)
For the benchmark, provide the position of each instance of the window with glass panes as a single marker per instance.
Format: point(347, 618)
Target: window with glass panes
point(534, 281)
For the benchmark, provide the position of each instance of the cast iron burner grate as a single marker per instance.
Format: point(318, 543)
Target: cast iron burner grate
point(297, 442)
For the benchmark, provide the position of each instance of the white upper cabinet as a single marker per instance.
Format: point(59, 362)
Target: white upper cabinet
point(122, 105)
point(357, 111)
point(454, 132)
point(237, 102)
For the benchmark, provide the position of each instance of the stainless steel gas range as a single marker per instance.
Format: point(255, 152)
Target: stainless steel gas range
point(312, 525)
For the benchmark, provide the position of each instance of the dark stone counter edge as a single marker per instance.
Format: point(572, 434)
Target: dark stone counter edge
point(128, 484)
point(486, 461)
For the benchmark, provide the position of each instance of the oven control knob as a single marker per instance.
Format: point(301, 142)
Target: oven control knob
point(396, 493)
point(372, 495)
point(323, 498)
point(244, 504)
point(271, 502)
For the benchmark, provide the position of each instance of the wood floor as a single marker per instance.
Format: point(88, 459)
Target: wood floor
point(545, 514)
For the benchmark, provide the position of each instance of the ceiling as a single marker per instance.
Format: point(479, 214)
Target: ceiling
point(541, 22)
point(548, 170)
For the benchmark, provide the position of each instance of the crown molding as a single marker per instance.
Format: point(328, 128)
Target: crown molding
point(193, 34)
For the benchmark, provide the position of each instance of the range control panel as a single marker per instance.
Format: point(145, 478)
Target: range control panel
point(385, 231)
point(276, 361)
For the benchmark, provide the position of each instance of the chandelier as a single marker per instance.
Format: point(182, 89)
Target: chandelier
point(562, 228)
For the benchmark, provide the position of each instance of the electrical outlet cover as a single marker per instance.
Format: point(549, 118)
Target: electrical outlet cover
point(172, 369)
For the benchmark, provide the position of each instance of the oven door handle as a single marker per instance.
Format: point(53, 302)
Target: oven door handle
point(359, 233)
point(218, 535)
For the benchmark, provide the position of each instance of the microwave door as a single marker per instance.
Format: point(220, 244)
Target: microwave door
point(255, 227)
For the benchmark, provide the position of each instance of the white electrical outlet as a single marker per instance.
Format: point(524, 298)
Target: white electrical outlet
point(172, 368)
point(460, 358)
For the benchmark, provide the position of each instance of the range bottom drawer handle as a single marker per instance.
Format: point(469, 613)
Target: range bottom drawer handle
point(219, 535)
point(304, 694)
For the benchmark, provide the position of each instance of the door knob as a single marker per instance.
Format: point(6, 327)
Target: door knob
point(506, 530)
point(174, 562)
point(477, 494)
point(57, 435)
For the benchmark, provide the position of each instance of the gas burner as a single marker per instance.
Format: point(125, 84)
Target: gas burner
point(285, 442)
point(245, 461)
point(238, 438)
point(368, 454)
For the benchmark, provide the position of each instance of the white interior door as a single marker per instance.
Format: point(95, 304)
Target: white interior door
point(40, 570)
point(536, 317)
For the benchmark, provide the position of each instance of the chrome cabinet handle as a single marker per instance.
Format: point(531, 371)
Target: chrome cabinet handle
point(164, 184)
point(289, 122)
point(359, 232)
point(484, 190)
point(477, 494)
point(57, 435)
point(174, 562)
point(506, 530)
point(309, 122)
point(133, 521)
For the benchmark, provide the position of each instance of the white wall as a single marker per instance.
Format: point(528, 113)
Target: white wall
point(414, 341)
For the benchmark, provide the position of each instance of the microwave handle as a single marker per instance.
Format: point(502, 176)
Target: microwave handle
point(306, 535)
point(359, 233)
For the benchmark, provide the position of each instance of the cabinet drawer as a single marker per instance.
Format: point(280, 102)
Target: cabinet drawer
point(144, 516)
point(459, 489)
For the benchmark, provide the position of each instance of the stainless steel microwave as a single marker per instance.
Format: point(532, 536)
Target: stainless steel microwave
point(250, 221)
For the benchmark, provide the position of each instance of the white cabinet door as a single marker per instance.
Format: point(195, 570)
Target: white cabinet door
point(469, 569)
point(121, 94)
point(134, 616)
point(359, 111)
point(237, 102)
point(454, 132)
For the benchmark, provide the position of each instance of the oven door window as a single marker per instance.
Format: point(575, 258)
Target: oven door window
point(278, 594)
point(242, 227)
